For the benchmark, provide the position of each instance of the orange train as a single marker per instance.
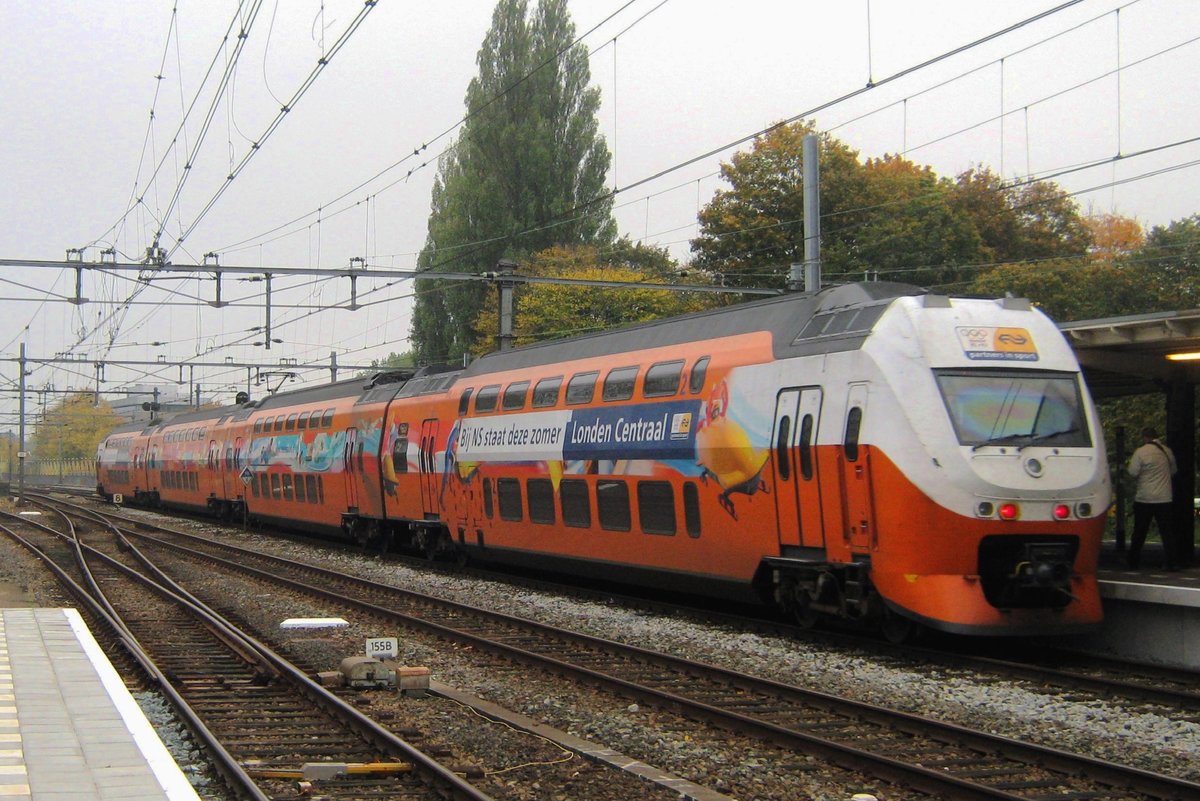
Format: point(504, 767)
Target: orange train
point(870, 452)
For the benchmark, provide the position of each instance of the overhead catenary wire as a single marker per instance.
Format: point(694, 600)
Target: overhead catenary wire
point(470, 115)
point(627, 190)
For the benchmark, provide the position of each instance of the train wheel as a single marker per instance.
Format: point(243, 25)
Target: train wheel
point(806, 617)
point(432, 546)
point(899, 629)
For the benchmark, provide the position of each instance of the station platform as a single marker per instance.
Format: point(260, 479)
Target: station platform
point(69, 729)
point(1149, 614)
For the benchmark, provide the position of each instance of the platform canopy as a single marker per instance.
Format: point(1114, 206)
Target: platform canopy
point(1132, 355)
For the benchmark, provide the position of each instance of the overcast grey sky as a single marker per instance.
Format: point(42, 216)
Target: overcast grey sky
point(678, 79)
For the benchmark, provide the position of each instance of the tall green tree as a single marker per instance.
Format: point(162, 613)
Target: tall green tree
point(526, 173)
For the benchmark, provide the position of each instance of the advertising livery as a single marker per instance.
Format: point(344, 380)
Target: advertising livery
point(869, 452)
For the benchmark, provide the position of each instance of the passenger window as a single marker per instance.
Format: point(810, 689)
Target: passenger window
point(287, 486)
point(300, 496)
point(699, 372)
point(302, 421)
point(464, 402)
point(487, 497)
point(310, 486)
point(291, 422)
point(509, 490)
point(783, 462)
point(691, 509)
point(581, 387)
point(853, 425)
point(254, 487)
point(485, 400)
point(276, 491)
point(618, 384)
point(612, 501)
point(540, 492)
point(514, 396)
point(806, 460)
point(662, 379)
point(576, 504)
point(267, 425)
point(279, 423)
point(327, 419)
point(656, 507)
point(258, 426)
point(545, 392)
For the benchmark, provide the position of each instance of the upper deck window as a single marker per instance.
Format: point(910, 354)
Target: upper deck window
point(582, 387)
point(545, 392)
point(618, 384)
point(514, 396)
point(662, 379)
point(699, 373)
point(485, 401)
point(1017, 407)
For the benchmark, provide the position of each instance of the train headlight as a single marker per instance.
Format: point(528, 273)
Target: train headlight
point(1062, 511)
point(1009, 511)
point(985, 509)
point(1083, 509)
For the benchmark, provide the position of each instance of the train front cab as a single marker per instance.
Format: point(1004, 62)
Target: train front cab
point(968, 498)
point(860, 541)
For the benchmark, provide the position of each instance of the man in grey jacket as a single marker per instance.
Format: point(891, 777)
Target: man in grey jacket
point(1152, 465)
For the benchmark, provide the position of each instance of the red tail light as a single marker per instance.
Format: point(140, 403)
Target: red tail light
point(1062, 511)
point(1009, 511)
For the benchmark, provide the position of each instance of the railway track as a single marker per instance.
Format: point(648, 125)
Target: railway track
point(933, 757)
point(264, 720)
point(1041, 668)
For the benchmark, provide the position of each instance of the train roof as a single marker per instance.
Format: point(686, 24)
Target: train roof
point(833, 319)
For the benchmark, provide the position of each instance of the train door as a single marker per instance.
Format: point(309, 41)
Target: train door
point(213, 476)
point(428, 466)
point(235, 486)
point(797, 487)
point(855, 474)
point(349, 463)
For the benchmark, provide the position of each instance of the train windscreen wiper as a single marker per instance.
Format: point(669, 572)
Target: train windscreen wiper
point(1003, 439)
point(1029, 438)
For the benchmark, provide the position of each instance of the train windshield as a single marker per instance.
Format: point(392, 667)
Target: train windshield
point(1020, 408)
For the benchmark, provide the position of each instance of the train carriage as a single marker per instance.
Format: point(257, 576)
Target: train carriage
point(183, 464)
point(120, 463)
point(312, 457)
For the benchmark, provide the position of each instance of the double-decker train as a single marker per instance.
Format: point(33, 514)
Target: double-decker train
point(870, 452)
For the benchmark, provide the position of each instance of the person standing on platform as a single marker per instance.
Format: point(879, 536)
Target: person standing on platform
point(1152, 465)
